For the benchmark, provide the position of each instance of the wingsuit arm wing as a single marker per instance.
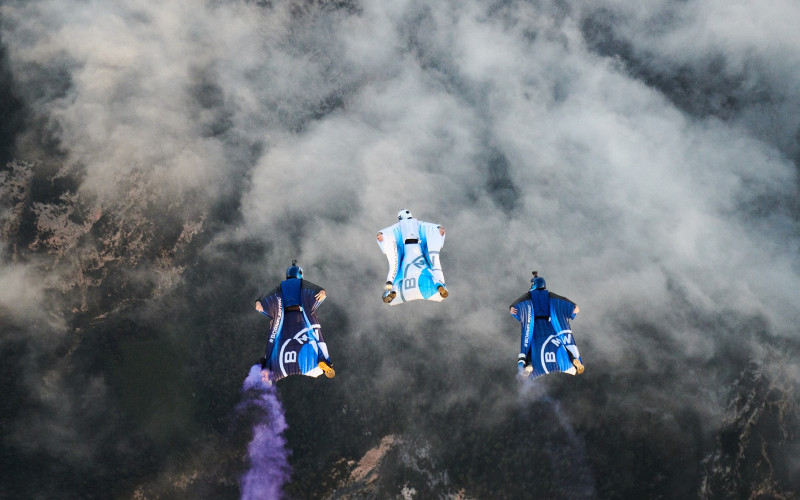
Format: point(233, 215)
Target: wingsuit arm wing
point(523, 315)
point(516, 303)
point(389, 246)
point(567, 304)
point(562, 310)
point(313, 290)
point(389, 238)
point(272, 308)
point(269, 302)
point(434, 239)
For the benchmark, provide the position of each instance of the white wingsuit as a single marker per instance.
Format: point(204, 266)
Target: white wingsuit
point(412, 248)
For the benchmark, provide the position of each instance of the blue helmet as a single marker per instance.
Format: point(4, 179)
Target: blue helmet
point(294, 271)
point(537, 282)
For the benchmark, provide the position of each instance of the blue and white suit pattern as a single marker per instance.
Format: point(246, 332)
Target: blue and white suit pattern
point(546, 341)
point(414, 268)
point(295, 345)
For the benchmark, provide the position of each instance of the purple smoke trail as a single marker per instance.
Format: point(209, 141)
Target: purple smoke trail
point(269, 464)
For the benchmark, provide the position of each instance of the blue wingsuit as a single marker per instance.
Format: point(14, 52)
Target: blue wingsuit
point(295, 345)
point(546, 342)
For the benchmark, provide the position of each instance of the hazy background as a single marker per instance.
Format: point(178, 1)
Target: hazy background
point(162, 164)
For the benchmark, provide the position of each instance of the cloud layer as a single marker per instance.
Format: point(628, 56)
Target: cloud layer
point(643, 158)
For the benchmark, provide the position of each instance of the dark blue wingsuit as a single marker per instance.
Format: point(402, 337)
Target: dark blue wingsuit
point(295, 344)
point(546, 341)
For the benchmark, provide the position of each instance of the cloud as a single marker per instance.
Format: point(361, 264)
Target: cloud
point(601, 156)
point(711, 58)
point(642, 158)
point(21, 291)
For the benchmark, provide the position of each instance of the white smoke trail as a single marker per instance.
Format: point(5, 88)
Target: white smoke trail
point(581, 483)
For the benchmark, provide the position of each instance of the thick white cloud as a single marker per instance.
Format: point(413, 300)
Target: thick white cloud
point(501, 122)
point(22, 294)
point(615, 184)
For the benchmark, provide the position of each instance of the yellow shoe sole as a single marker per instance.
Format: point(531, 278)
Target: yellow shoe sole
point(578, 366)
point(329, 371)
point(443, 292)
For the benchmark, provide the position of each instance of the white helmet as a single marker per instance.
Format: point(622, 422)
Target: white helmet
point(404, 214)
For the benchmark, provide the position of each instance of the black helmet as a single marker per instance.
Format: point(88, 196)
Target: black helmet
point(294, 271)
